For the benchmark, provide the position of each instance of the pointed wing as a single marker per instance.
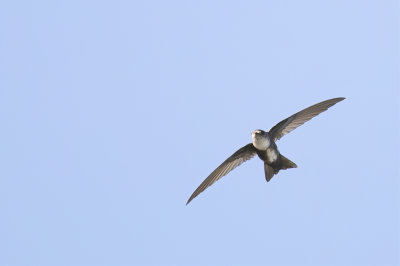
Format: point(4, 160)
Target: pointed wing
point(243, 154)
point(296, 120)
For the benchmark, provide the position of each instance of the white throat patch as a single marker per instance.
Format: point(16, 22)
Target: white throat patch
point(261, 142)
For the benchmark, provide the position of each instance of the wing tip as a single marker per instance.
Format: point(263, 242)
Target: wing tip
point(338, 99)
point(191, 198)
point(332, 101)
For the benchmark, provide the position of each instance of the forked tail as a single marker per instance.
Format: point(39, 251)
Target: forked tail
point(281, 164)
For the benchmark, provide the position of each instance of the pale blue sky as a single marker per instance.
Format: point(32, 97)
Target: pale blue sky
point(113, 112)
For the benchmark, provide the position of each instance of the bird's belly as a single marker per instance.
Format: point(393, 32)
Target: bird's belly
point(271, 155)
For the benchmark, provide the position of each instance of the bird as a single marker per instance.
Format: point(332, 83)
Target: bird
point(263, 144)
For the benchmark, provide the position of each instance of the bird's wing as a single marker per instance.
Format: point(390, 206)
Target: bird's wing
point(243, 154)
point(296, 120)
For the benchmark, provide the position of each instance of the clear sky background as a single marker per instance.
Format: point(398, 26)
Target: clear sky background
point(113, 112)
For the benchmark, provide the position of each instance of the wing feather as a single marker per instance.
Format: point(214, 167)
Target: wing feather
point(243, 154)
point(296, 120)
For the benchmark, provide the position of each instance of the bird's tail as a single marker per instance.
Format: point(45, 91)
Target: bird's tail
point(281, 164)
point(285, 163)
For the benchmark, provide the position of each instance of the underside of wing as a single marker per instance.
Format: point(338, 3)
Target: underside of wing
point(243, 154)
point(296, 120)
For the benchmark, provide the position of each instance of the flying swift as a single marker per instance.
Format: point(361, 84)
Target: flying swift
point(263, 144)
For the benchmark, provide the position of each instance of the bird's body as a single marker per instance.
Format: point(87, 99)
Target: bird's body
point(268, 152)
point(263, 144)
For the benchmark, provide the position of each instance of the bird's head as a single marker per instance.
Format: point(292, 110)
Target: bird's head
point(260, 139)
